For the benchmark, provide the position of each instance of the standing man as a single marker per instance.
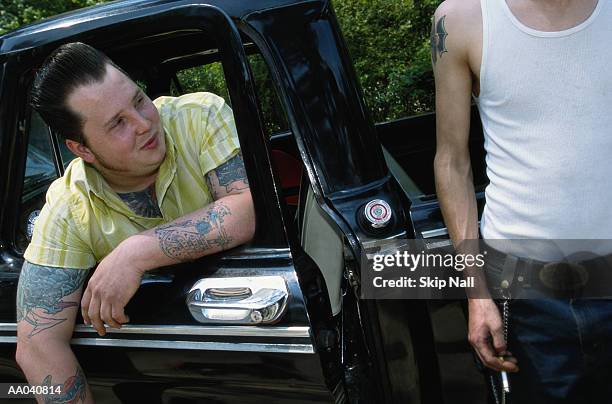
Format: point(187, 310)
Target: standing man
point(539, 71)
point(155, 184)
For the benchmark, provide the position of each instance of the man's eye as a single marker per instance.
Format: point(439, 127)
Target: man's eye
point(118, 123)
point(139, 100)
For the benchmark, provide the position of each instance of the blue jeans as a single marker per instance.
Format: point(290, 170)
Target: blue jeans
point(564, 350)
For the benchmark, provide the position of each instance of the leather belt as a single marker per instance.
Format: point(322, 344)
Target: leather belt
point(558, 279)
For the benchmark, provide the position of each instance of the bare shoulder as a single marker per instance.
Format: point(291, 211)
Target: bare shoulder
point(464, 11)
point(456, 28)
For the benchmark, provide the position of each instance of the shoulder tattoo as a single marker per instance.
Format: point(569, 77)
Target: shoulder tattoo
point(438, 39)
point(230, 176)
point(41, 294)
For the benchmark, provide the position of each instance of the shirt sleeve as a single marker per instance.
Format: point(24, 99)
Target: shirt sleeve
point(55, 239)
point(220, 138)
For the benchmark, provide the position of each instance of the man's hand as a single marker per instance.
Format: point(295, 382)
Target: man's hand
point(486, 335)
point(114, 282)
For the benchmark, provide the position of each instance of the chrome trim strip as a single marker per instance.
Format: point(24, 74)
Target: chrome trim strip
point(434, 243)
point(443, 231)
point(230, 331)
point(258, 253)
point(193, 345)
point(338, 393)
point(434, 233)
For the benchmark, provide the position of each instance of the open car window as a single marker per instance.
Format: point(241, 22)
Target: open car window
point(210, 78)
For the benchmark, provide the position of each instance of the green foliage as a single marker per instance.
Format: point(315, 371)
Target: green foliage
point(390, 51)
point(272, 111)
point(203, 78)
point(210, 78)
point(15, 13)
point(389, 43)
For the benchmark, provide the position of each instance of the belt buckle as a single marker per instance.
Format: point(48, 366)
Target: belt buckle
point(563, 276)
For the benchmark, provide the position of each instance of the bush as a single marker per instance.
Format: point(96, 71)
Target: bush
point(211, 78)
point(15, 13)
point(389, 43)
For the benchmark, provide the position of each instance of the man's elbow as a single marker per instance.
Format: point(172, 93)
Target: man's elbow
point(28, 354)
point(449, 165)
point(21, 355)
point(443, 166)
point(247, 219)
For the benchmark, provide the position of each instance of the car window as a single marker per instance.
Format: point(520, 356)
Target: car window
point(39, 162)
point(39, 172)
point(285, 157)
point(210, 78)
point(274, 116)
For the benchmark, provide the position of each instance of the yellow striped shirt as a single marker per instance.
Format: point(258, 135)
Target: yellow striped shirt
point(83, 219)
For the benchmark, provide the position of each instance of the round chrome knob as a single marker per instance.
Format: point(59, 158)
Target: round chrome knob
point(256, 316)
point(378, 213)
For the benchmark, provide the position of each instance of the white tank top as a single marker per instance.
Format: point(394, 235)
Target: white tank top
point(546, 107)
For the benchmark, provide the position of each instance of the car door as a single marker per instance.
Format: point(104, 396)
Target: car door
point(248, 325)
point(346, 172)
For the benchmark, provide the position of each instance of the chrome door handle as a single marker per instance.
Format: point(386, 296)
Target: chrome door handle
point(252, 300)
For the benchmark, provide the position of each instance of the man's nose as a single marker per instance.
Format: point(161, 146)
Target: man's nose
point(142, 124)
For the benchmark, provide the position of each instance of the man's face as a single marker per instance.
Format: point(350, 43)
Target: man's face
point(121, 126)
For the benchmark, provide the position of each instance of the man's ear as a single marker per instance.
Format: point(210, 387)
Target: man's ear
point(80, 150)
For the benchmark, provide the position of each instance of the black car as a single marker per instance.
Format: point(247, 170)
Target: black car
point(280, 319)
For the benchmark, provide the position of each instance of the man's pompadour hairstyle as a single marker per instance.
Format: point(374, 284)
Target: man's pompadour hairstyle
point(68, 67)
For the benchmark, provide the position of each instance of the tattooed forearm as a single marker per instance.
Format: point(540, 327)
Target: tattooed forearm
point(73, 390)
point(188, 239)
point(229, 176)
point(438, 39)
point(43, 289)
point(143, 203)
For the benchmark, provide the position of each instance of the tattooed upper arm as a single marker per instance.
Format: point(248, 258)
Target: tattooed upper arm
point(229, 178)
point(438, 38)
point(456, 35)
point(44, 293)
